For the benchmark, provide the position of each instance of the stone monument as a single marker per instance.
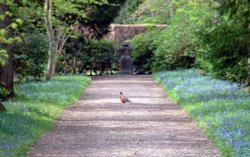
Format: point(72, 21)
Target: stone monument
point(125, 60)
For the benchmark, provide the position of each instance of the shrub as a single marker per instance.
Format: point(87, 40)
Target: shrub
point(143, 48)
point(156, 12)
point(4, 93)
point(30, 56)
point(177, 44)
point(224, 51)
point(88, 55)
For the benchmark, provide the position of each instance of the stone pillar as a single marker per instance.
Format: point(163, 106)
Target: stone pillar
point(125, 60)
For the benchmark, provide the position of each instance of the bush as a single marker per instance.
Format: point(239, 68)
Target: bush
point(224, 45)
point(30, 56)
point(177, 44)
point(224, 51)
point(4, 93)
point(88, 55)
point(156, 12)
point(143, 48)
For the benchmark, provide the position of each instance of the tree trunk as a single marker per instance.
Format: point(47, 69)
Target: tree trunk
point(50, 64)
point(50, 33)
point(6, 72)
point(56, 40)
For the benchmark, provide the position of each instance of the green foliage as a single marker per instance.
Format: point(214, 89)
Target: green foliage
point(33, 112)
point(224, 46)
point(8, 24)
point(30, 56)
point(224, 52)
point(3, 57)
point(177, 44)
point(2, 108)
point(93, 17)
point(237, 10)
point(31, 14)
point(99, 17)
point(143, 49)
point(102, 56)
point(175, 47)
point(88, 55)
point(125, 13)
point(213, 35)
point(4, 93)
point(154, 12)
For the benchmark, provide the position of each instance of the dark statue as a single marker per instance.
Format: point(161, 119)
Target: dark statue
point(125, 60)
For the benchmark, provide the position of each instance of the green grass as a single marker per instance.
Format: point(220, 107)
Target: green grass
point(219, 107)
point(34, 110)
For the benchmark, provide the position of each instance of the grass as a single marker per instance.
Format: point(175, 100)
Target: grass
point(34, 110)
point(221, 108)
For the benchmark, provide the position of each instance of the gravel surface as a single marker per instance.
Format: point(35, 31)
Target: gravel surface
point(99, 125)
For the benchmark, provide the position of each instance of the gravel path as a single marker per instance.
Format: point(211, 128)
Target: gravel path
point(99, 125)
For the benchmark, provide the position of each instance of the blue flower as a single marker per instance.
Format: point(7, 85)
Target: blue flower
point(7, 146)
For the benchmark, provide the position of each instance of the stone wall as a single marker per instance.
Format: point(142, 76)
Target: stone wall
point(123, 32)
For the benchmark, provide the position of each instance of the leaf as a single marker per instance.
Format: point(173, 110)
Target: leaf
point(2, 51)
point(14, 25)
point(18, 39)
point(10, 41)
point(7, 13)
point(2, 32)
point(19, 21)
point(1, 17)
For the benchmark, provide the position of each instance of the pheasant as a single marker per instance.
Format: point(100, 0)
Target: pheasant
point(123, 98)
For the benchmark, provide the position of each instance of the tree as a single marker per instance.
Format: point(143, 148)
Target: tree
point(8, 25)
point(59, 27)
point(98, 17)
point(3, 25)
point(63, 18)
point(50, 33)
point(6, 71)
point(239, 12)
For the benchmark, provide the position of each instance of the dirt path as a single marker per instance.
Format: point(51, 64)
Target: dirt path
point(100, 126)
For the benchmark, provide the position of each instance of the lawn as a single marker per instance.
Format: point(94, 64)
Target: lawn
point(220, 108)
point(34, 110)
